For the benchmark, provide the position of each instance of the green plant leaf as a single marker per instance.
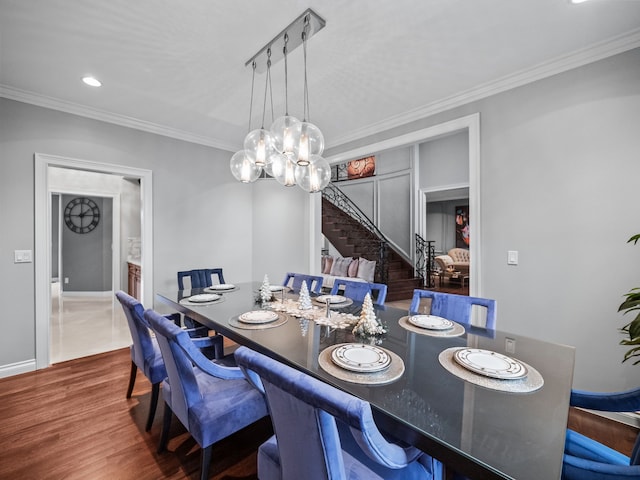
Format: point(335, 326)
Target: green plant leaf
point(631, 303)
point(634, 239)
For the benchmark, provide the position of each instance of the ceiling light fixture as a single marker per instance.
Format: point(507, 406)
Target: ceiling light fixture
point(92, 81)
point(290, 150)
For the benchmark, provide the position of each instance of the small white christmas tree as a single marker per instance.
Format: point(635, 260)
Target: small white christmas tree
point(368, 323)
point(305, 298)
point(265, 289)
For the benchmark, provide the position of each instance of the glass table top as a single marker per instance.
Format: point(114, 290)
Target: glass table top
point(479, 431)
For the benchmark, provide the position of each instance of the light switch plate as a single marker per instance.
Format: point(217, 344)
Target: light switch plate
point(512, 257)
point(22, 256)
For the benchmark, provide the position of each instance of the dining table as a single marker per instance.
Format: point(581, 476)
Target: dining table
point(506, 426)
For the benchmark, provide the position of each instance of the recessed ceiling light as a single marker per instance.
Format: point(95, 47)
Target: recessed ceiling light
point(92, 81)
point(578, 1)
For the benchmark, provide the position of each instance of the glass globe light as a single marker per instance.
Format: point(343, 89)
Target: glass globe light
point(260, 143)
point(243, 167)
point(285, 132)
point(311, 143)
point(276, 163)
point(284, 170)
point(315, 176)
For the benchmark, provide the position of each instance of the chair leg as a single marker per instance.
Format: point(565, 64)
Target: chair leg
point(166, 425)
point(206, 461)
point(155, 391)
point(132, 378)
point(218, 346)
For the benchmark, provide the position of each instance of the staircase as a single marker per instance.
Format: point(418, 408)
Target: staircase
point(352, 239)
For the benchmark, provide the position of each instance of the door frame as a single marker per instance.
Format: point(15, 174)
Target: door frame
point(469, 123)
point(42, 257)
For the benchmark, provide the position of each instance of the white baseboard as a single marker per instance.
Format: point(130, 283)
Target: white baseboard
point(17, 368)
point(107, 293)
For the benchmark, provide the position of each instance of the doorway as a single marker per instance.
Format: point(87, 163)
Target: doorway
point(447, 224)
point(43, 232)
point(469, 124)
point(86, 264)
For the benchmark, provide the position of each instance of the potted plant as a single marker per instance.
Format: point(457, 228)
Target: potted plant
point(632, 329)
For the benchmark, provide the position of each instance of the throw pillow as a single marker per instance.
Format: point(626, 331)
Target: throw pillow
point(328, 263)
point(340, 266)
point(366, 269)
point(352, 271)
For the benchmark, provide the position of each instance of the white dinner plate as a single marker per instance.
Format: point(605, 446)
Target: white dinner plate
point(258, 316)
point(431, 322)
point(222, 286)
point(359, 357)
point(203, 298)
point(332, 298)
point(490, 364)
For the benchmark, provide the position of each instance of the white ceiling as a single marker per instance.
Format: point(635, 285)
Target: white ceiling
point(176, 67)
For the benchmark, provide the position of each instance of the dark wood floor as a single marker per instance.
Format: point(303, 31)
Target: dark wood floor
point(72, 421)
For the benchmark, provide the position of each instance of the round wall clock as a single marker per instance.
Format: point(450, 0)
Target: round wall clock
point(82, 215)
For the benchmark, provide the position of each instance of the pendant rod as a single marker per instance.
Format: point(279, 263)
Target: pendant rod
point(294, 31)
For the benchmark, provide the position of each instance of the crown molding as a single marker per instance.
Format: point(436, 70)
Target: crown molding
point(23, 96)
point(614, 46)
point(543, 70)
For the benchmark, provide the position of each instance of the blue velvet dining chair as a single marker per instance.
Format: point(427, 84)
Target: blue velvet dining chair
point(322, 433)
point(457, 308)
point(294, 280)
point(200, 278)
point(145, 353)
point(358, 290)
point(211, 400)
point(587, 459)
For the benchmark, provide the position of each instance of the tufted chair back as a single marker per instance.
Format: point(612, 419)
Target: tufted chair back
point(459, 255)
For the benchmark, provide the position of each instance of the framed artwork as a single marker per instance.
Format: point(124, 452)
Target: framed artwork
point(462, 226)
point(363, 167)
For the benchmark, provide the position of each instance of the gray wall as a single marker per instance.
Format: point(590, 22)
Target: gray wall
point(86, 258)
point(445, 161)
point(441, 224)
point(202, 215)
point(559, 170)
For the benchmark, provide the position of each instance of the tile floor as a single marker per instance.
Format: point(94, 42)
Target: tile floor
point(85, 325)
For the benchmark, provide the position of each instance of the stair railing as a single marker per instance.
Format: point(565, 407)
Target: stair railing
point(425, 261)
point(377, 245)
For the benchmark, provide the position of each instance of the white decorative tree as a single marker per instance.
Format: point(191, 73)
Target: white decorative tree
point(265, 289)
point(305, 298)
point(368, 323)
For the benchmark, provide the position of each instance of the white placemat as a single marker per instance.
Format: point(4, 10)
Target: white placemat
point(213, 289)
point(186, 301)
point(234, 322)
point(347, 302)
point(532, 382)
point(456, 331)
point(384, 377)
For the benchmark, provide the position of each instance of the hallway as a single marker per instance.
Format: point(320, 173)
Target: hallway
point(85, 325)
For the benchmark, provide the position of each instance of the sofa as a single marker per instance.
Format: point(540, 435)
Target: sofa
point(346, 268)
point(457, 259)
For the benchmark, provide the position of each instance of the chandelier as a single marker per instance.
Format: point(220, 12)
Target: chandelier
point(290, 150)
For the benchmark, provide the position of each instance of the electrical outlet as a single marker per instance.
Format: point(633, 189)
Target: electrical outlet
point(510, 345)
